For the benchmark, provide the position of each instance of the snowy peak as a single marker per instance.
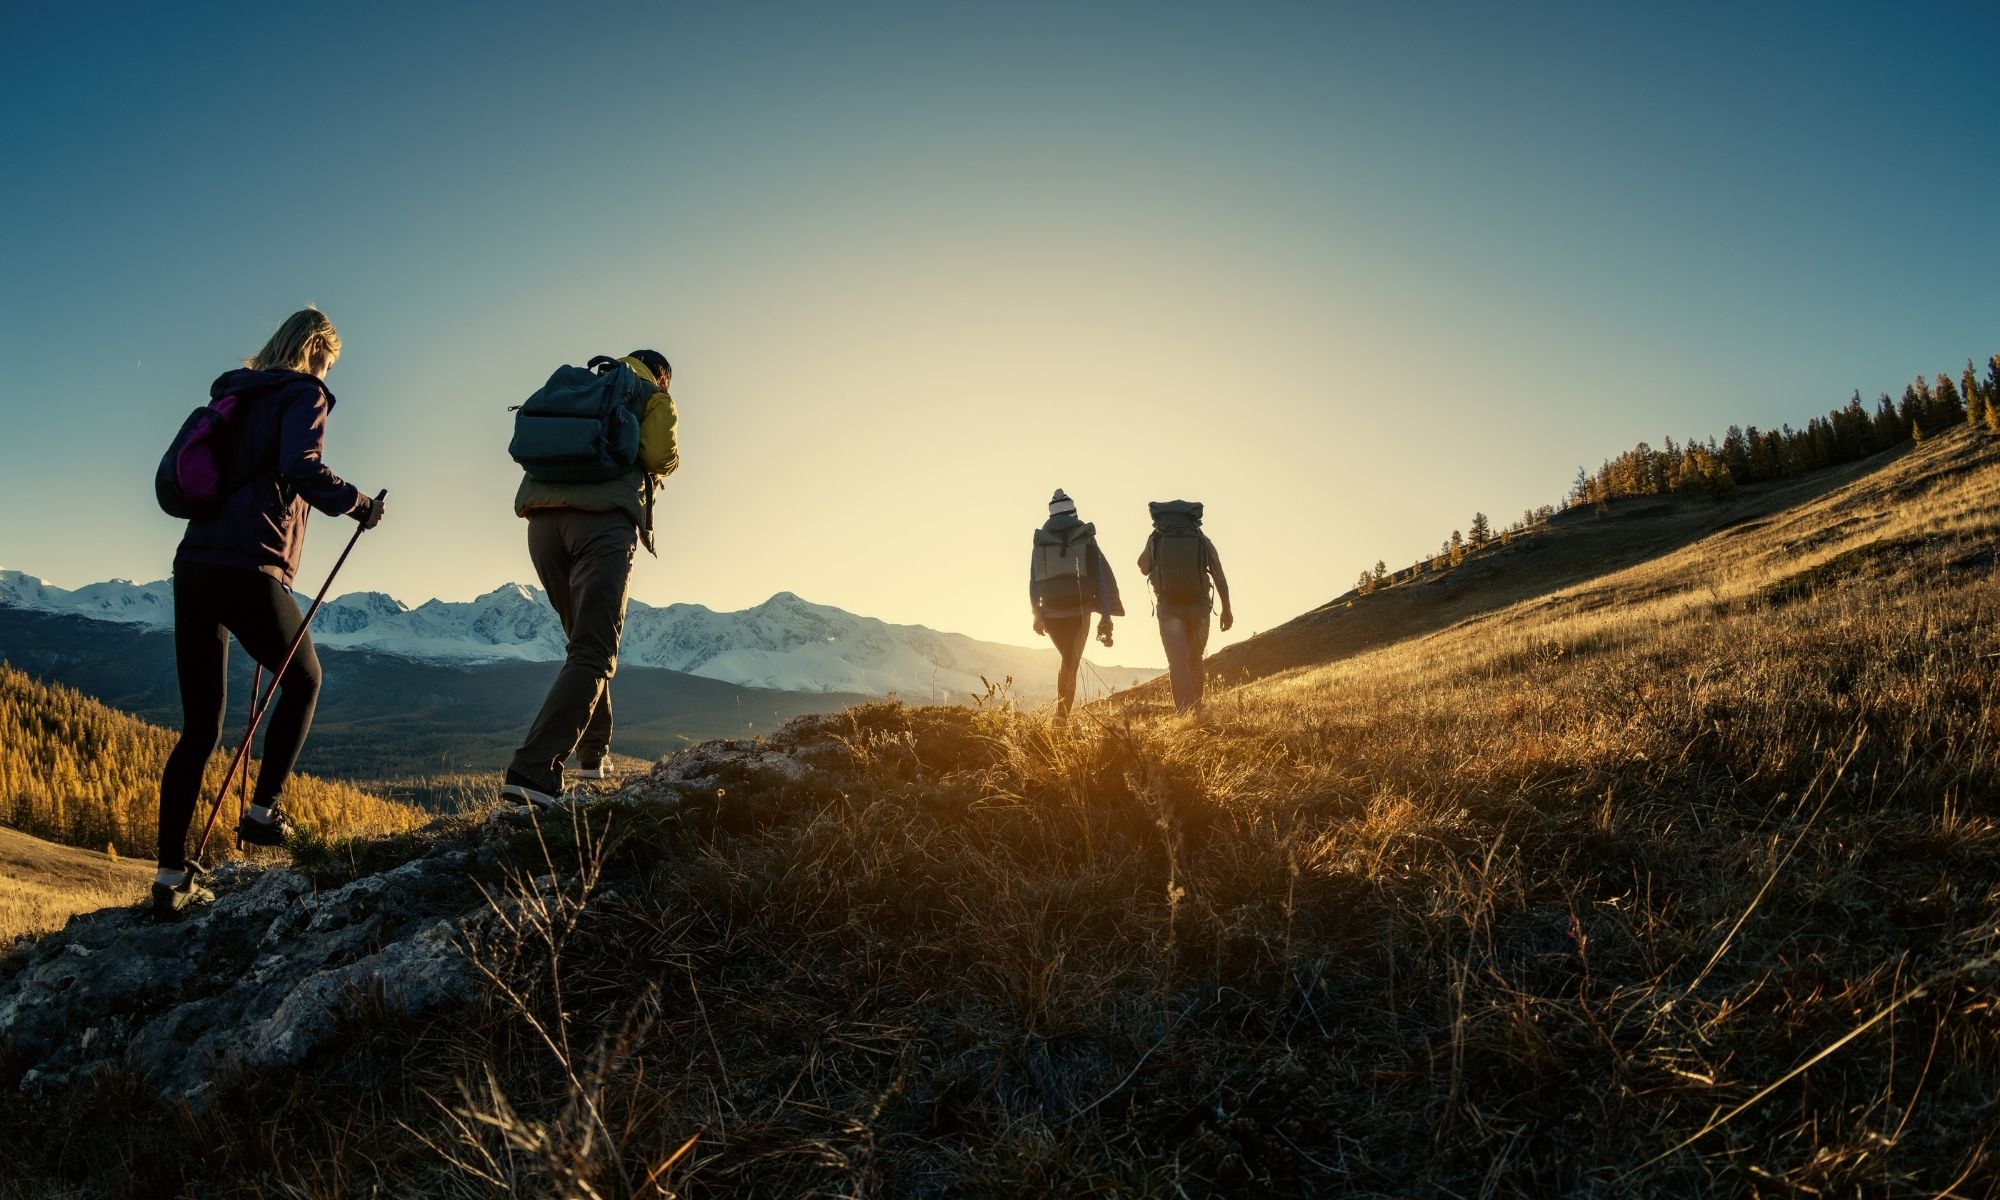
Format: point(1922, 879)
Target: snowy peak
point(114, 600)
point(786, 642)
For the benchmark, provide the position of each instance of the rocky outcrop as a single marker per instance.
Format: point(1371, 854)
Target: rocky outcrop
point(266, 974)
point(261, 977)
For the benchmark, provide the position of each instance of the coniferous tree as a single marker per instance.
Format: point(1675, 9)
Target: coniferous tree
point(1888, 430)
point(1976, 398)
point(1945, 401)
point(76, 772)
point(1911, 410)
point(1457, 548)
point(1853, 431)
point(1481, 529)
point(1736, 453)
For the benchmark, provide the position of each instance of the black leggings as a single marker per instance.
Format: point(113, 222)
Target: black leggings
point(210, 603)
point(1071, 636)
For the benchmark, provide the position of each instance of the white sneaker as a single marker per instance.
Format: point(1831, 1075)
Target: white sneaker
point(601, 769)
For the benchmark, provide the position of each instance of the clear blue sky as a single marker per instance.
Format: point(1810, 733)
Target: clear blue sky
point(1347, 273)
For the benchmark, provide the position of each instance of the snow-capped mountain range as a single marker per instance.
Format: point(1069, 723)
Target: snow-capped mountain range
point(784, 643)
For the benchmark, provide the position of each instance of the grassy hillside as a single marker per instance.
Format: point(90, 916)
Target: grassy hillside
point(43, 884)
point(380, 716)
point(76, 772)
point(1683, 881)
point(1576, 545)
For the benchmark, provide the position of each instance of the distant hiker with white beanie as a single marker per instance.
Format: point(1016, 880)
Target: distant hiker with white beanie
point(593, 444)
point(1182, 564)
point(1068, 579)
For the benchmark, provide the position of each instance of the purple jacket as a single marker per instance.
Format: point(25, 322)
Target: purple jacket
point(274, 447)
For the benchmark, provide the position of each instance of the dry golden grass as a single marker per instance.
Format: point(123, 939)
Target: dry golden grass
point(42, 885)
point(1685, 881)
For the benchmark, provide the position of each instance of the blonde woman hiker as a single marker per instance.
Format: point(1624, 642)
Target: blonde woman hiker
point(1068, 579)
point(233, 574)
point(593, 445)
point(1182, 564)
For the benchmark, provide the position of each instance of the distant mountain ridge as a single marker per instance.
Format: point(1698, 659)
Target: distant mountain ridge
point(785, 643)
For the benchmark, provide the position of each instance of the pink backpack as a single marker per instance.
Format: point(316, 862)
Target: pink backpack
point(190, 483)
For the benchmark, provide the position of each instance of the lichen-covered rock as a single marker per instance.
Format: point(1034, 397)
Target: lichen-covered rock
point(261, 977)
point(699, 771)
point(265, 975)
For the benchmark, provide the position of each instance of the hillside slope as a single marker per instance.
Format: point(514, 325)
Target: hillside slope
point(43, 884)
point(79, 773)
point(1579, 544)
point(1684, 881)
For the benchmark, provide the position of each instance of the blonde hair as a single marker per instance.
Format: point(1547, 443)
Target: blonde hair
point(306, 340)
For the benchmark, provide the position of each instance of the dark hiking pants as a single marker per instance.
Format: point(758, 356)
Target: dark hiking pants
point(1184, 634)
point(1071, 636)
point(584, 560)
point(210, 603)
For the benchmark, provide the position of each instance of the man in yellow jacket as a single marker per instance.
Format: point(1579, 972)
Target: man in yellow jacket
point(582, 538)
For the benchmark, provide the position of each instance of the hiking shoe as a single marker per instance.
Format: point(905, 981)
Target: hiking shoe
point(170, 900)
point(264, 833)
point(601, 769)
point(522, 790)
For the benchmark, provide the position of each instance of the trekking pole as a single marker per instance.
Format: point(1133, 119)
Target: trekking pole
point(243, 784)
point(277, 677)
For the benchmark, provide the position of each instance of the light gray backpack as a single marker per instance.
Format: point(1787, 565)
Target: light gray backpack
point(1061, 577)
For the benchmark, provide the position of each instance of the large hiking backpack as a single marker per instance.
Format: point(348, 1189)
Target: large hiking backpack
point(193, 478)
point(1180, 557)
point(580, 427)
point(1061, 576)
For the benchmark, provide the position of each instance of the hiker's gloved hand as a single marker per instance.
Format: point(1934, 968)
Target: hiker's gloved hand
point(370, 512)
point(1104, 631)
point(1228, 619)
point(1041, 630)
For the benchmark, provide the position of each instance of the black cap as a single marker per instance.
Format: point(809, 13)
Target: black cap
point(655, 361)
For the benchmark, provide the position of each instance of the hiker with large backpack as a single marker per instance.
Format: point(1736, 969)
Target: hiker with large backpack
point(1068, 579)
point(246, 470)
point(1182, 564)
point(593, 444)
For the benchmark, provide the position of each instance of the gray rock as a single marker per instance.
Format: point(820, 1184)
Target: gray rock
point(263, 976)
point(266, 974)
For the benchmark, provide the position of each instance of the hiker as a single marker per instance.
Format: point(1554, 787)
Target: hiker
point(233, 575)
point(588, 510)
point(1181, 562)
point(1068, 579)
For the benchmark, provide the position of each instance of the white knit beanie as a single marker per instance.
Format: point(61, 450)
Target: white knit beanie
point(1060, 503)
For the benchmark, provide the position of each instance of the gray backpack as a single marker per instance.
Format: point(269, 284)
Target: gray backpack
point(1180, 555)
point(1061, 576)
